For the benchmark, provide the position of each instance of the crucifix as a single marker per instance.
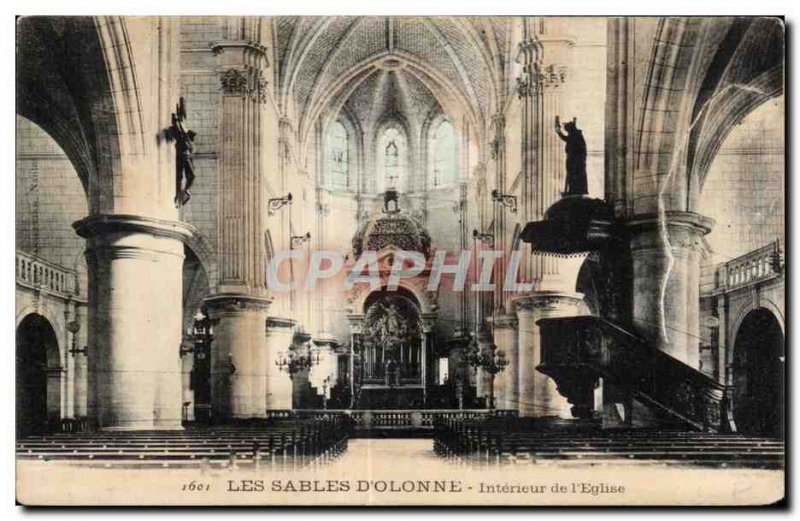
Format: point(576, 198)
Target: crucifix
point(184, 150)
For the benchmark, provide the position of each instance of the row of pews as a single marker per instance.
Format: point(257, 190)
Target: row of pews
point(525, 441)
point(278, 443)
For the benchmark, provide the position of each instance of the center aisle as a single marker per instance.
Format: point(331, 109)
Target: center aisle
point(376, 454)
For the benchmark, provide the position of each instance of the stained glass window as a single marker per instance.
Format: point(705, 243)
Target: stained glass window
point(338, 156)
point(445, 157)
point(392, 158)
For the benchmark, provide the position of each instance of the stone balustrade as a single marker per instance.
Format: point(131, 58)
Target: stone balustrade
point(43, 275)
point(754, 266)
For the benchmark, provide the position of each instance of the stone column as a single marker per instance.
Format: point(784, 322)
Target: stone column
point(426, 360)
point(538, 395)
point(665, 255)
point(356, 349)
point(540, 89)
point(280, 333)
point(507, 383)
point(80, 365)
point(70, 342)
point(498, 153)
point(135, 277)
point(483, 380)
point(238, 357)
point(238, 307)
point(187, 366)
point(56, 377)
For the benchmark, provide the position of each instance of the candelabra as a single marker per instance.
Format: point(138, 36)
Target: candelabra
point(298, 357)
point(73, 327)
point(509, 201)
point(276, 203)
point(491, 359)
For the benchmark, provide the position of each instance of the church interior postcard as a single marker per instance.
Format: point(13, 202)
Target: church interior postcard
point(400, 260)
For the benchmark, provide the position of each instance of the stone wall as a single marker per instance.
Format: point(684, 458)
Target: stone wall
point(49, 198)
point(744, 190)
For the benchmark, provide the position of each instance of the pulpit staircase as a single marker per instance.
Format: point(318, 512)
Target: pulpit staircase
point(576, 351)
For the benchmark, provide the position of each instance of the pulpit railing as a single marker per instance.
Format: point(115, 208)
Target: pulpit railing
point(578, 350)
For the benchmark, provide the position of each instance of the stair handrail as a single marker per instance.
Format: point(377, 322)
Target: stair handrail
point(623, 358)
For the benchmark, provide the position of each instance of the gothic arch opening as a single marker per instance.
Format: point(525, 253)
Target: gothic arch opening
point(195, 347)
point(758, 375)
point(38, 376)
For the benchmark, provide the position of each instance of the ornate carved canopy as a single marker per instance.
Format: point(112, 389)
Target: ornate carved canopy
point(399, 230)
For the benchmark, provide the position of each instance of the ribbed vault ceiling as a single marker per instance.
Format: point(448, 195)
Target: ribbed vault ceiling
point(325, 62)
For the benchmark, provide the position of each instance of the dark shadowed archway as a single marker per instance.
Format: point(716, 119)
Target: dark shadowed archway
point(758, 375)
point(38, 376)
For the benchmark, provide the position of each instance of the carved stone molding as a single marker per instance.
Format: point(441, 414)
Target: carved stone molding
point(535, 78)
point(428, 322)
point(356, 323)
point(218, 305)
point(684, 230)
point(504, 321)
point(547, 301)
point(524, 85)
point(252, 50)
point(244, 82)
point(99, 225)
point(552, 76)
point(280, 323)
point(496, 146)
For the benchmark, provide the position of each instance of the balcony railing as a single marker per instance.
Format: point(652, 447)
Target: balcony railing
point(40, 274)
point(761, 264)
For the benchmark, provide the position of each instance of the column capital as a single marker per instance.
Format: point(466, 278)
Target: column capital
point(428, 322)
point(107, 224)
point(356, 324)
point(545, 300)
point(246, 82)
point(504, 321)
point(112, 237)
point(247, 48)
point(226, 303)
point(280, 323)
point(484, 336)
point(552, 75)
point(683, 229)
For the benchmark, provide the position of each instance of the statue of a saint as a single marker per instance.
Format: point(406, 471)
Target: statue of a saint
point(393, 323)
point(184, 152)
point(576, 158)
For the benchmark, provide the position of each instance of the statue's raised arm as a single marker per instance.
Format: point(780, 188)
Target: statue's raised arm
point(558, 129)
point(575, 149)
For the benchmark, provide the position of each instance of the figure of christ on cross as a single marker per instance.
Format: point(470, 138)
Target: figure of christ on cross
point(184, 151)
